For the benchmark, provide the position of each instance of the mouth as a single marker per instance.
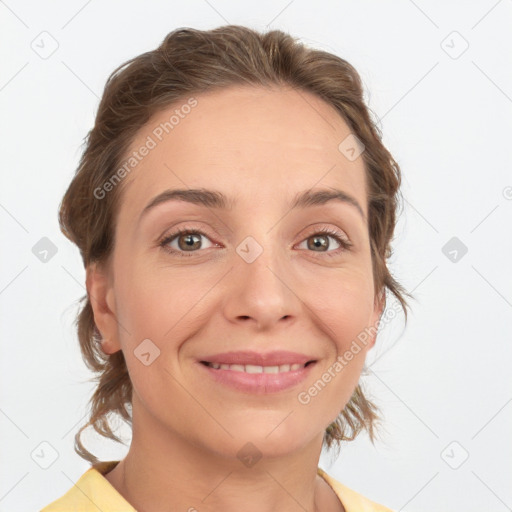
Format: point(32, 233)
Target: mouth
point(253, 368)
point(257, 374)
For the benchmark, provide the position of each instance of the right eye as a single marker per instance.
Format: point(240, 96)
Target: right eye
point(187, 239)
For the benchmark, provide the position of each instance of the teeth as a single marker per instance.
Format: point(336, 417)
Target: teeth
point(251, 368)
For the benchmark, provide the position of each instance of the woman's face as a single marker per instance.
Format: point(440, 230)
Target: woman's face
point(255, 275)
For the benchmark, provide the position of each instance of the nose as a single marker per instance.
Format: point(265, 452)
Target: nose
point(261, 287)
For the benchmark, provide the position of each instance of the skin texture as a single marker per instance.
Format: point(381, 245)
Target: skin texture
point(260, 147)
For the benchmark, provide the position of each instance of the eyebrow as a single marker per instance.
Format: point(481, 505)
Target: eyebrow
point(216, 199)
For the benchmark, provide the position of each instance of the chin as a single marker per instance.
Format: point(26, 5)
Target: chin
point(268, 439)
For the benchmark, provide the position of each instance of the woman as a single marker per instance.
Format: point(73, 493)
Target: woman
point(234, 208)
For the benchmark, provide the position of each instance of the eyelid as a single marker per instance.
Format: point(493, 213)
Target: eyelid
point(328, 230)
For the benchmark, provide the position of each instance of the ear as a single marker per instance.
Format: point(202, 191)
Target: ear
point(378, 309)
point(101, 296)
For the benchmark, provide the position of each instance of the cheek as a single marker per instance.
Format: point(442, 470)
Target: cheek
point(153, 300)
point(150, 308)
point(343, 314)
point(344, 307)
point(166, 307)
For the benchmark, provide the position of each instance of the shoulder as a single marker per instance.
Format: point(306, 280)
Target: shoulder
point(92, 492)
point(351, 499)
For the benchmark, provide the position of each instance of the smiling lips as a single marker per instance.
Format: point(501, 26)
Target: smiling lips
point(253, 368)
point(253, 372)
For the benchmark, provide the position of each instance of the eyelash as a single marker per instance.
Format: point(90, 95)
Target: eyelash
point(345, 244)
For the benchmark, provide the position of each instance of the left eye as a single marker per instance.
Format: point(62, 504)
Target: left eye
point(321, 240)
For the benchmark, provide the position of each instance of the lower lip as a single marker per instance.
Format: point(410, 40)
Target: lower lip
point(259, 383)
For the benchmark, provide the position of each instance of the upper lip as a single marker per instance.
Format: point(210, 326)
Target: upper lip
point(275, 358)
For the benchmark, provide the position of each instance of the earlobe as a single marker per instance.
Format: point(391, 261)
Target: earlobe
point(379, 306)
point(101, 297)
point(380, 302)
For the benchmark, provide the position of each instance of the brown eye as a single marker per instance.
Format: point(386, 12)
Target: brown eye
point(320, 242)
point(188, 241)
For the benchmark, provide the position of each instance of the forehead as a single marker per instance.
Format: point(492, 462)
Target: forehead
point(254, 143)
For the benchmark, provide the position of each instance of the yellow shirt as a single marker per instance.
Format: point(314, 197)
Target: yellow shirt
point(93, 492)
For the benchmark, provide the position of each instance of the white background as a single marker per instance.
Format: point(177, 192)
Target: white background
point(447, 120)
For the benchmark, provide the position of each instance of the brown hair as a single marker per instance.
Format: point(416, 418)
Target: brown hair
point(190, 61)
